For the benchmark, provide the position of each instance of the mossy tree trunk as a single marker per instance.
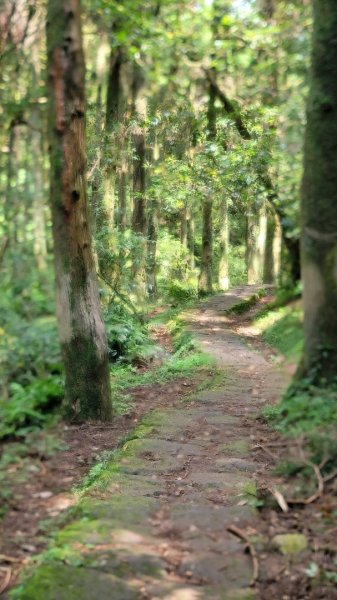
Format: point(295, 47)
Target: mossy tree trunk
point(319, 202)
point(223, 273)
point(81, 330)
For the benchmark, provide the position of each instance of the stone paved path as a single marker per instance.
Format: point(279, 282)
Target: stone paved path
point(158, 529)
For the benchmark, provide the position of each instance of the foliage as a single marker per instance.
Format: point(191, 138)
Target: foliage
point(242, 307)
point(29, 350)
point(28, 406)
point(304, 409)
point(31, 371)
point(128, 338)
point(282, 328)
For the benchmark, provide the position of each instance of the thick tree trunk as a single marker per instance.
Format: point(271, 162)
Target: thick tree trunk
point(223, 274)
point(319, 202)
point(82, 335)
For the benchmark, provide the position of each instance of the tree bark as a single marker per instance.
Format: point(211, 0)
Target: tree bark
point(81, 330)
point(319, 202)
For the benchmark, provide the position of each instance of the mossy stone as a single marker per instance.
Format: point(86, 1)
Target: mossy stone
point(290, 543)
point(63, 582)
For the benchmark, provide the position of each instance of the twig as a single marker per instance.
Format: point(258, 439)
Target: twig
point(7, 579)
point(330, 477)
point(240, 534)
point(280, 499)
point(273, 456)
point(319, 491)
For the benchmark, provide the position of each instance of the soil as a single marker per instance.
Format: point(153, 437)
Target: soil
point(177, 519)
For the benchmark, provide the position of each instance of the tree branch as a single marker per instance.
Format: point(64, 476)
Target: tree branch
point(230, 108)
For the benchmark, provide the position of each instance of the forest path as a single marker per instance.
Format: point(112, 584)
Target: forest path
point(159, 528)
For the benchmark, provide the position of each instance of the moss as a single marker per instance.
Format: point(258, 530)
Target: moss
point(87, 381)
point(245, 305)
point(63, 582)
point(290, 543)
point(239, 447)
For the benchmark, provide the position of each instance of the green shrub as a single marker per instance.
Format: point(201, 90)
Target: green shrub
point(127, 336)
point(28, 406)
point(29, 350)
point(178, 292)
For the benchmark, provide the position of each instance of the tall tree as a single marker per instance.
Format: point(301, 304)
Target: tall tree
point(319, 201)
point(82, 335)
point(205, 277)
point(139, 221)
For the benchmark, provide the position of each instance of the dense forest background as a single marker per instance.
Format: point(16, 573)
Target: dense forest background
point(168, 229)
point(195, 121)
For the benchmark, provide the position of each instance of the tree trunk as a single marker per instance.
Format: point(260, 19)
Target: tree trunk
point(256, 241)
point(190, 239)
point(81, 330)
point(40, 242)
point(319, 202)
point(272, 255)
point(183, 227)
point(105, 208)
point(152, 236)
point(139, 221)
point(205, 278)
point(223, 275)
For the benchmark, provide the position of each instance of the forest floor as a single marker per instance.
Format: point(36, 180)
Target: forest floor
point(171, 514)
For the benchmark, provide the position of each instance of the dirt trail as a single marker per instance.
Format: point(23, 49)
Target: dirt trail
point(158, 530)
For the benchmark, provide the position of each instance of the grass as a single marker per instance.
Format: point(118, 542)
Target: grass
point(241, 307)
point(306, 412)
point(282, 328)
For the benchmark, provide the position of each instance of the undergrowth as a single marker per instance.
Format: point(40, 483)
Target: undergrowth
point(244, 305)
point(307, 413)
point(282, 328)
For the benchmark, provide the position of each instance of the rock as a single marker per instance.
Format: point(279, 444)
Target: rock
point(290, 543)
